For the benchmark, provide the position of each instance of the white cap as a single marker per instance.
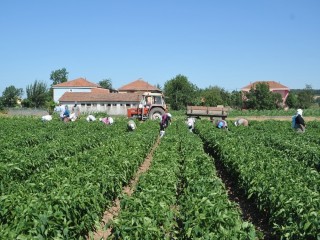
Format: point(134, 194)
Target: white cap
point(236, 123)
point(299, 111)
point(169, 115)
point(132, 126)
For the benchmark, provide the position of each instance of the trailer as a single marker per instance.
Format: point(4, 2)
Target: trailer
point(218, 112)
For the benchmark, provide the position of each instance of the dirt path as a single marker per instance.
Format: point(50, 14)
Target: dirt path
point(113, 212)
point(248, 208)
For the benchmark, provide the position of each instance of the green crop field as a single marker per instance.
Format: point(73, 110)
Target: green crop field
point(57, 180)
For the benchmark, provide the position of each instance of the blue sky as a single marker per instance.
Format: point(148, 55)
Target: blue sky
point(227, 43)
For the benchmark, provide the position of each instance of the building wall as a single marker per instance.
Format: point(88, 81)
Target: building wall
point(110, 108)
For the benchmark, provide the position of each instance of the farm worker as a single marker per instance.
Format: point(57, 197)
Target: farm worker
point(241, 122)
point(190, 123)
point(110, 120)
point(107, 120)
point(131, 125)
point(46, 118)
point(222, 124)
point(66, 114)
point(165, 120)
point(76, 110)
point(72, 117)
point(62, 109)
point(299, 123)
point(91, 118)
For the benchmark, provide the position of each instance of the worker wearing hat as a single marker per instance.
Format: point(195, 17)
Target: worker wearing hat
point(222, 124)
point(241, 122)
point(164, 122)
point(299, 123)
point(131, 125)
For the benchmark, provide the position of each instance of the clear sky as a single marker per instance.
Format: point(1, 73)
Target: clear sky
point(227, 43)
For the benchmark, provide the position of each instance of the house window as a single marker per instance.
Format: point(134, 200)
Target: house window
point(109, 105)
point(88, 104)
point(114, 104)
point(102, 104)
point(128, 104)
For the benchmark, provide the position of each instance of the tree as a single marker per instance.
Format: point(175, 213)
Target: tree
point(11, 95)
point(292, 100)
point(59, 76)
point(306, 97)
point(106, 83)
point(37, 94)
point(236, 99)
point(1, 104)
point(180, 92)
point(261, 98)
point(213, 96)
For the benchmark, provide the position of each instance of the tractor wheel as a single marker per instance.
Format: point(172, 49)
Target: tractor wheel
point(156, 113)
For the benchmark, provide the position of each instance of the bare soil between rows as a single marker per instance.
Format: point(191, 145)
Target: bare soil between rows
point(247, 207)
point(113, 212)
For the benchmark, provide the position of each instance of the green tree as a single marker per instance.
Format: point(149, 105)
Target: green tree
point(306, 97)
point(59, 76)
point(236, 99)
point(106, 83)
point(37, 94)
point(212, 96)
point(261, 98)
point(292, 100)
point(11, 95)
point(1, 104)
point(180, 92)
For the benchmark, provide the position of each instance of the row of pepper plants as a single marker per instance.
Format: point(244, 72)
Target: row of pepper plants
point(282, 185)
point(300, 147)
point(180, 196)
point(63, 195)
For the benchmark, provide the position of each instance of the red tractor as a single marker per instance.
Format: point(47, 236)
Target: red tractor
point(151, 106)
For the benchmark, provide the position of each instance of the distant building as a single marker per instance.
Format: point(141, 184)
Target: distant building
point(138, 86)
point(91, 98)
point(273, 87)
point(77, 85)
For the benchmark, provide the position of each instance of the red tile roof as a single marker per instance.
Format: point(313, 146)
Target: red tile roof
point(100, 90)
point(99, 97)
point(138, 85)
point(79, 82)
point(272, 85)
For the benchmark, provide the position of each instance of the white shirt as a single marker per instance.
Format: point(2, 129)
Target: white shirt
point(110, 120)
point(91, 118)
point(46, 118)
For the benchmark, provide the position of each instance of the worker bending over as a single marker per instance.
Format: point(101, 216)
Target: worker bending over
point(164, 122)
point(131, 125)
point(91, 118)
point(222, 124)
point(107, 120)
point(190, 123)
point(241, 122)
point(46, 118)
point(298, 122)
